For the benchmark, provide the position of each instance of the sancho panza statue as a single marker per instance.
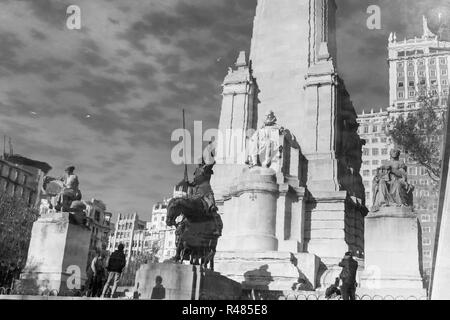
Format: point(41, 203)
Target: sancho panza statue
point(390, 184)
point(264, 146)
point(63, 194)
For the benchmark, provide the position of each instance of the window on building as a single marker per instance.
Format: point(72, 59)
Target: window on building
point(411, 84)
point(412, 94)
point(384, 162)
point(366, 129)
point(426, 241)
point(366, 163)
point(444, 72)
point(425, 218)
point(366, 173)
point(400, 84)
point(384, 140)
point(375, 162)
point(401, 95)
point(374, 140)
point(444, 82)
point(432, 61)
point(400, 65)
point(443, 61)
point(433, 73)
point(410, 73)
point(401, 75)
point(426, 229)
point(427, 254)
point(412, 171)
point(365, 152)
point(375, 151)
point(423, 171)
point(422, 74)
point(421, 62)
point(374, 172)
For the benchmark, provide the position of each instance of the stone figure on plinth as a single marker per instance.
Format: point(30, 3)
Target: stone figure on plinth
point(264, 146)
point(390, 184)
point(70, 191)
point(62, 194)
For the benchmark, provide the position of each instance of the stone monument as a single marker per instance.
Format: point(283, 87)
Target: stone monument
point(60, 241)
point(287, 180)
point(392, 237)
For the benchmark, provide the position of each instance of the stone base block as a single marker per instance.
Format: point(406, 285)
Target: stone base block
point(272, 271)
point(167, 281)
point(57, 256)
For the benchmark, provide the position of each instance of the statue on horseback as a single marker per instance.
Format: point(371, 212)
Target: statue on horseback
point(199, 226)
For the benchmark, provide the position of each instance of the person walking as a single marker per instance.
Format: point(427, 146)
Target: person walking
point(348, 276)
point(116, 264)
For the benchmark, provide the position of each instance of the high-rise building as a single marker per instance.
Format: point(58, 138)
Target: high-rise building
point(128, 229)
point(99, 220)
point(416, 66)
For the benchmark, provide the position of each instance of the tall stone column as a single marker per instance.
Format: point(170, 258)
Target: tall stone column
point(236, 118)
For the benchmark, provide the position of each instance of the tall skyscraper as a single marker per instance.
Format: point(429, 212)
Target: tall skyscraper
point(416, 66)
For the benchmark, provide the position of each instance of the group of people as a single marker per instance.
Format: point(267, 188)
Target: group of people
point(100, 274)
point(8, 274)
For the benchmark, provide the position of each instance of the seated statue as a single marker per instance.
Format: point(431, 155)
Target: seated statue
point(63, 192)
point(264, 146)
point(390, 184)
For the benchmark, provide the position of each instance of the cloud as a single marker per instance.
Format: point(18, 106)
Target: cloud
point(106, 98)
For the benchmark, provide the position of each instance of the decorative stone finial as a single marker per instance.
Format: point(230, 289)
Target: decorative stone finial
point(426, 31)
point(241, 60)
point(324, 54)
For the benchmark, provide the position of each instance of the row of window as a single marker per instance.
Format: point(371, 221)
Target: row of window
point(421, 73)
point(427, 218)
point(375, 151)
point(413, 94)
point(421, 62)
point(375, 129)
point(422, 82)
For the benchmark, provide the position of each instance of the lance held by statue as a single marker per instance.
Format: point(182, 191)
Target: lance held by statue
point(198, 223)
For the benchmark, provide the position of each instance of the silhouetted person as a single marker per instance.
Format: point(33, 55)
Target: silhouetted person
point(333, 291)
point(116, 263)
point(348, 276)
point(96, 274)
point(3, 271)
point(158, 292)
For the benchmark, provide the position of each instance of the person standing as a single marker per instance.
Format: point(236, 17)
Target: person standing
point(348, 276)
point(95, 274)
point(3, 271)
point(116, 264)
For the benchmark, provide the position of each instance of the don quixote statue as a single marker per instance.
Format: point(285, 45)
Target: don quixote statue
point(195, 216)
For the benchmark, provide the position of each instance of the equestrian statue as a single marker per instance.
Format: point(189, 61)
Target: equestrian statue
point(198, 225)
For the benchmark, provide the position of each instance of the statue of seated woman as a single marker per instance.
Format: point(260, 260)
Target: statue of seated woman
point(390, 184)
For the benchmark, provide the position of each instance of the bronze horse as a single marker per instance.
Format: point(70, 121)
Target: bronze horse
point(198, 233)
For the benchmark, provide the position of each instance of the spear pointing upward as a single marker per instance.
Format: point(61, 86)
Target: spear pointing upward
point(186, 178)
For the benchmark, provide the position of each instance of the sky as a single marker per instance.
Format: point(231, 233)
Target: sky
point(106, 98)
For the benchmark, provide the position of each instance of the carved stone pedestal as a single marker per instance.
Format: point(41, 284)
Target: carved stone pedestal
point(57, 256)
point(269, 270)
point(392, 247)
point(165, 281)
